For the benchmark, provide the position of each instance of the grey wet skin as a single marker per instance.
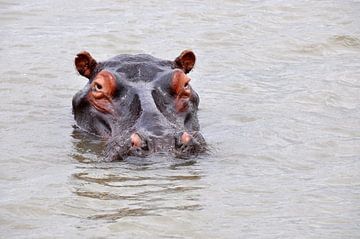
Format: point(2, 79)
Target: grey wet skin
point(141, 104)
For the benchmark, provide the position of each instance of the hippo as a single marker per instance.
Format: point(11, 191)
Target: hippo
point(140, 104)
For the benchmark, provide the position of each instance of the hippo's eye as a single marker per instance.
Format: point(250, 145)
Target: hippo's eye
point(186, 86)
point(104, 85)
point(181, 90)
point(103, 89)
point(97, 86)
point(180, 84)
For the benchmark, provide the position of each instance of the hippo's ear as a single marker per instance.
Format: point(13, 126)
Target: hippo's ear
point(85, 64)
point(185, 61)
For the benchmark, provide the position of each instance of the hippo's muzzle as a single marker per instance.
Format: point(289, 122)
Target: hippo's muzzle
point(181, 145)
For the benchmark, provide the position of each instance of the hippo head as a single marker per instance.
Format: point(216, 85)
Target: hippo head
point(140, 104)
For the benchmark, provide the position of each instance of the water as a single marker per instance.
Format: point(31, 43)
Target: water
point(279, 83)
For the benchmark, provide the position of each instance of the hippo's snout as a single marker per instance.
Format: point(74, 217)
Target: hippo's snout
point(182, 145)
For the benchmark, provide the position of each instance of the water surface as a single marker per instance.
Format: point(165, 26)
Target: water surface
point(279, 83)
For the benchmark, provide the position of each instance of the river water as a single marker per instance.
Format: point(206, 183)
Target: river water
point(279, 83)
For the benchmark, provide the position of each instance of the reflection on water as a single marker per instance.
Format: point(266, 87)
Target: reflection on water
point(136, 186)
point(89, 148)
point(279, 87)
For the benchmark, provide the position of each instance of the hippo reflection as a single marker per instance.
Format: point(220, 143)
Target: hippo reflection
point(141, 104)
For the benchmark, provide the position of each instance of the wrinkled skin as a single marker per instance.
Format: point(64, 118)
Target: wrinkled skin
point(141, 104)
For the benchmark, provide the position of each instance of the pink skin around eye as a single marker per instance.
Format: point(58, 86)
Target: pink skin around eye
point(179, 85)
point(103, 88)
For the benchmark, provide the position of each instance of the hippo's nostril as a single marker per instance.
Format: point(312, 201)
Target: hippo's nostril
point(182, 139)
point(185, 138)
point(138, 142)
point(135, 140)
point(187, 144)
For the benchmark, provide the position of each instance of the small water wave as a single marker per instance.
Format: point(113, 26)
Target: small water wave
point(347, 41)
point(331, 46)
